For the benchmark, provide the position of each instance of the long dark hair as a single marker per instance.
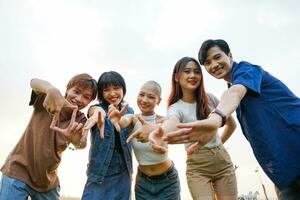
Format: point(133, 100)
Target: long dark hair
point(202, 109)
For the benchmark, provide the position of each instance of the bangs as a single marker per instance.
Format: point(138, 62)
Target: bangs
point(110, 78)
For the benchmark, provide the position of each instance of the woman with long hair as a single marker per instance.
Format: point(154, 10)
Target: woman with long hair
point(210, 172)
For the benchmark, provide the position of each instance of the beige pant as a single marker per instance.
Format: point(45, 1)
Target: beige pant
point(210, 173)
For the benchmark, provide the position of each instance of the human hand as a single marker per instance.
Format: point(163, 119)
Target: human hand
point(54, 102)
point(201, 132)
point(142, 133)
point(72, 128)
point(157, 142)
point(98, 118)
point(114, 115)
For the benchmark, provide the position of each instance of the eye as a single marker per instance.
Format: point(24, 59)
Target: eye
point(218, 56)
point(197, 71)
point(206, 63)
point(141, 95)
point(186, 71)
point(76, 91)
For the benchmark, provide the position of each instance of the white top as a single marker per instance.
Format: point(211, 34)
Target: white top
point(186, 112)
point(143, 152)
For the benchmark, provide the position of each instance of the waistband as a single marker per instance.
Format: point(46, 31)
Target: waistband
point(157, 177)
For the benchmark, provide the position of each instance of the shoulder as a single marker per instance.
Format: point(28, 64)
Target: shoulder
point(129, 110)
point(160, 118)
point(212, 100)
point(244, 66)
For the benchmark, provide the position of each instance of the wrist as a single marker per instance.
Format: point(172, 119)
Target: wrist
point(219, 116)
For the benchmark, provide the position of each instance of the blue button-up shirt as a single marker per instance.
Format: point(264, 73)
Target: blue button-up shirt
point(269, 115)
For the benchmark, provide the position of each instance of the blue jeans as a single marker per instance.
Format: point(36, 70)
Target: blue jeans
point(11, 188)
point(165, 186)
point(292, 192)
point(116, 184)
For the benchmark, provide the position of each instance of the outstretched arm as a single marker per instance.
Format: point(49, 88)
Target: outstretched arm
point(202, 131)
point(96, 116)
point(54, 101)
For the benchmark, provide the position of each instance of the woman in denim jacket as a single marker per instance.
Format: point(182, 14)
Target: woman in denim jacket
point(110, 162)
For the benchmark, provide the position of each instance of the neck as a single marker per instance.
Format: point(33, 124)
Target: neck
point(227, 77)
point(188, 96)
point(148, 113)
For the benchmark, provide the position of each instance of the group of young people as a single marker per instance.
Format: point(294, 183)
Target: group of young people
point(268, 112)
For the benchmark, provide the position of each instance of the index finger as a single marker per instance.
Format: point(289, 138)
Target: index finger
point(133, 135)
point(100, 123)
point(193, 148)
point(55, 119)
point(143, 122)
point(73, 118)
point(185, 125)
point(124, 109)
point(179, 136)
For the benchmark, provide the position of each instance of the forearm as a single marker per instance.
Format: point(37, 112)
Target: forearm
point(170, 124)
point(228, 129)
point(41, 86)
point(231, 98)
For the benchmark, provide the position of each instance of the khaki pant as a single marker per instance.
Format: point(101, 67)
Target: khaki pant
point(210, 173)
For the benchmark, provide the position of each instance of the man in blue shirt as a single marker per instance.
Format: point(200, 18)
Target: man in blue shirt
point(268, 112)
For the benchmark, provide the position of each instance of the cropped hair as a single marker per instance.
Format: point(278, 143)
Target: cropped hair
point(202, 109)
point(208, 44)
point(84, 81)
point(156, 85)
point(107, 79)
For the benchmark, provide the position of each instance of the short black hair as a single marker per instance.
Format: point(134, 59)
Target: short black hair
point(107, 79)
point(206, 45)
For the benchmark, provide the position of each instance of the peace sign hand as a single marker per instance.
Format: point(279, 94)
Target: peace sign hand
point(142, 133)
point(95, 118)
point(157, 142)
point(114, 115)
point(72, 128)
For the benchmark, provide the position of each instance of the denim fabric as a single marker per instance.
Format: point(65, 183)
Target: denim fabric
point(115, 186)
point(292, 192)
point(11, 188)
point(101, 151)
point(162, 187)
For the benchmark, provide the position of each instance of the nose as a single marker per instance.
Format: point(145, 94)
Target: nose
point(214, 64)
point(144, 99)
point(78, 98)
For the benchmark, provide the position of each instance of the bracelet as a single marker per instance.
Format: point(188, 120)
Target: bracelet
point(221, 114)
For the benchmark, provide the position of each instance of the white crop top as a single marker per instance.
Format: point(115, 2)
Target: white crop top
point(143, 152)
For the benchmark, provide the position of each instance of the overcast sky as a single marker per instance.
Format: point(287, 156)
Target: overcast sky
point(142, 40)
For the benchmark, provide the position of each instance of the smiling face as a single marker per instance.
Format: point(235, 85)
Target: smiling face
point(148, 98)
point(218, 64)
point(79, 96)
point(113, 94)
point(190, 77)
